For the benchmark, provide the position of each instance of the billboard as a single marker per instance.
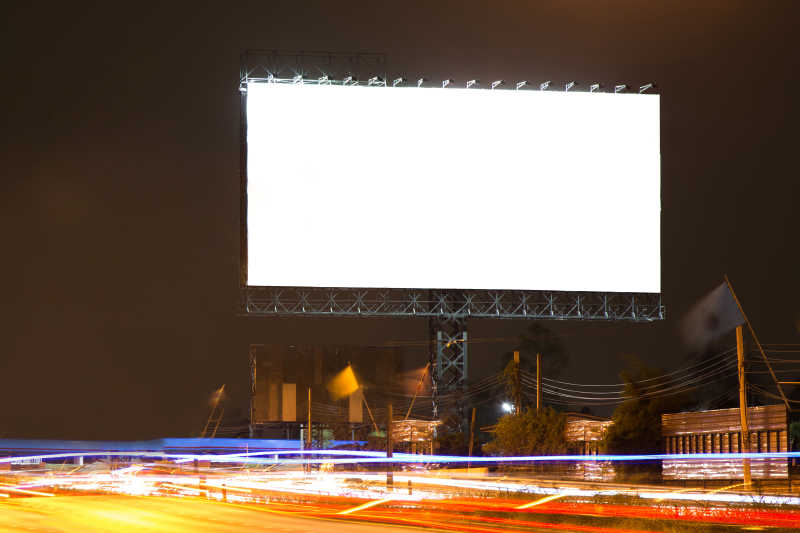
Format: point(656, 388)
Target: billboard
point(448, 188)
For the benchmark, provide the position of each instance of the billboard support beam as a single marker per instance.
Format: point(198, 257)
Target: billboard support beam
point(451, 304)
point(252, 352)
point(449, 356)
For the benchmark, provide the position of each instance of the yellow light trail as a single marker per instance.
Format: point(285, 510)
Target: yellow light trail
point(11, 488)
point(698, 489)
point(541, 501)
point(363, 506)
point(726, 488)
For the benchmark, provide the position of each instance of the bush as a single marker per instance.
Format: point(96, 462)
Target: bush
point(530, 433)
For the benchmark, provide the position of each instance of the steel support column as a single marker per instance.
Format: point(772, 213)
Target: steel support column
point(449, 356)
point(252, 353)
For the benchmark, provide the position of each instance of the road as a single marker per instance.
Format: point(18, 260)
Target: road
point(96, 514)
point(167, 497)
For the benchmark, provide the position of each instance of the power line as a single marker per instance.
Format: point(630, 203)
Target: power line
point(656, 378)
point(664, 391)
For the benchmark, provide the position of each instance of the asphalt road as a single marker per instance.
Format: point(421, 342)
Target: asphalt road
point(90, 514)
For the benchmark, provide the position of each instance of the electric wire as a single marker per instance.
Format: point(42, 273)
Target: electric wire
point(646, 388)
point(666, 391)
point(655, 378)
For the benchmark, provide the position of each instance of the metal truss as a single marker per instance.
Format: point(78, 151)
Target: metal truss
point(451, 356)
point(448, 356)
point(410, 303)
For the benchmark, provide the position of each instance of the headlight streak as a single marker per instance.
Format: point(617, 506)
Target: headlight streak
point(540, 501)
point(365, 506)
point(436, 501)
point(145, 479)
point(357, 456)
point(11, 488)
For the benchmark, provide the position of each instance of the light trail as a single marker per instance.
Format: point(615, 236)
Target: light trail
point(696, 489)
point(432, 504)
point(184, 487)
point(224, 486)
point(148, 479)
point(380, 458)
point(363, 506)
point(541, 501)
point(367, 457)
point(721, 498)
point(12, 488)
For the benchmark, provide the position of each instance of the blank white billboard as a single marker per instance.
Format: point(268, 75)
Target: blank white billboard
point(437, 188)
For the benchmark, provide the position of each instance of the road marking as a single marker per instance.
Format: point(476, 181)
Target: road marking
point(364, 506)
point(541, 501)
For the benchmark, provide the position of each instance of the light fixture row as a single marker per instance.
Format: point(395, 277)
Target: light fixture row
point(378, 81)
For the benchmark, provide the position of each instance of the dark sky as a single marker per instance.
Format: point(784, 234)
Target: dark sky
point(120, 168)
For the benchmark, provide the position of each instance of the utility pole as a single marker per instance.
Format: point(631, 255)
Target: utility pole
point(471, 435)
point(538, 382)
point(389, 446)
point(760, 348)
point(517, 388)
point(416, 391)
point(308, 436)
point(308, 430)
point(215, 417)
point(743, 404)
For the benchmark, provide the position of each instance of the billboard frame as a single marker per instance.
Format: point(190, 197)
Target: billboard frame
point(446, 310)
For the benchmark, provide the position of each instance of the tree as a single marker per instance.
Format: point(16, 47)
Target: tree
point(794, 436)
point(637, 421)
point(529, 433)
point(450, 438)
point(536, 339)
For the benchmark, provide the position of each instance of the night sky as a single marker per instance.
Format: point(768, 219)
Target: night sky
point(120, 188)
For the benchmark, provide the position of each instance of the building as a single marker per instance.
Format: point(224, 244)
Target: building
point(282, 375)
point(720, 432)
point(584, 434)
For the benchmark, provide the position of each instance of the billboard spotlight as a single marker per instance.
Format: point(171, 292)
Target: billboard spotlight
point(420, 82)
point(324, 79)
point(569, 86)
point(594, 87)
point(544, 86)
point(472, 83)
point(298, 78)
point(398, 81)
point(496, 84)
point(446, 82)
point(643, 88)
point(375, 80)
point(620, 88)
point(521, 84)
